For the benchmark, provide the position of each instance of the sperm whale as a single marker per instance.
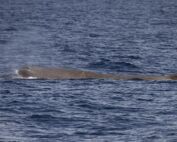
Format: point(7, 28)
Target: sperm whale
point(35, 72)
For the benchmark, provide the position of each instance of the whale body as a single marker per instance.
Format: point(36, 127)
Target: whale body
point(35, 72)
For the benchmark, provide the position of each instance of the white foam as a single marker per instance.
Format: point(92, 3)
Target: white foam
point(16, 72)
point(31, 77)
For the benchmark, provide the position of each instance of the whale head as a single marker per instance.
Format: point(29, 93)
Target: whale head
point(25, 72)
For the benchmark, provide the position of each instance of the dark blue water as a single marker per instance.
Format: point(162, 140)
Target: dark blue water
point(107, 36)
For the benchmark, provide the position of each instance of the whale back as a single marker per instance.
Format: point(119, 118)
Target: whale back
point(54, 73)
point(173, 77)
point(61, 73)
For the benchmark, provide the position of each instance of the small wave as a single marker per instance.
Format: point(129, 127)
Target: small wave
point(113, 65)
point(2, 41)
point(126, 64)
point(130, 57)
point(11, 29)
point(42, 117)
point(6, 76)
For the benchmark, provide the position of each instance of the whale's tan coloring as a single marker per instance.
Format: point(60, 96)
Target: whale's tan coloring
point(61, 73)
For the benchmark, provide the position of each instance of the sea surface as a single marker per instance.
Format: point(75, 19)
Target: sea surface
point(105, 36)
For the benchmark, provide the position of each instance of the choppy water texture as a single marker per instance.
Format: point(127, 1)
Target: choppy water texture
point(107, 36)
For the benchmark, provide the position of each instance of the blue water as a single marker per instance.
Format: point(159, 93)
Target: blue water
point(106, 36)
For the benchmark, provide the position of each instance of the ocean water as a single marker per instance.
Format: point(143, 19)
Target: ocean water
point(106, 36)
